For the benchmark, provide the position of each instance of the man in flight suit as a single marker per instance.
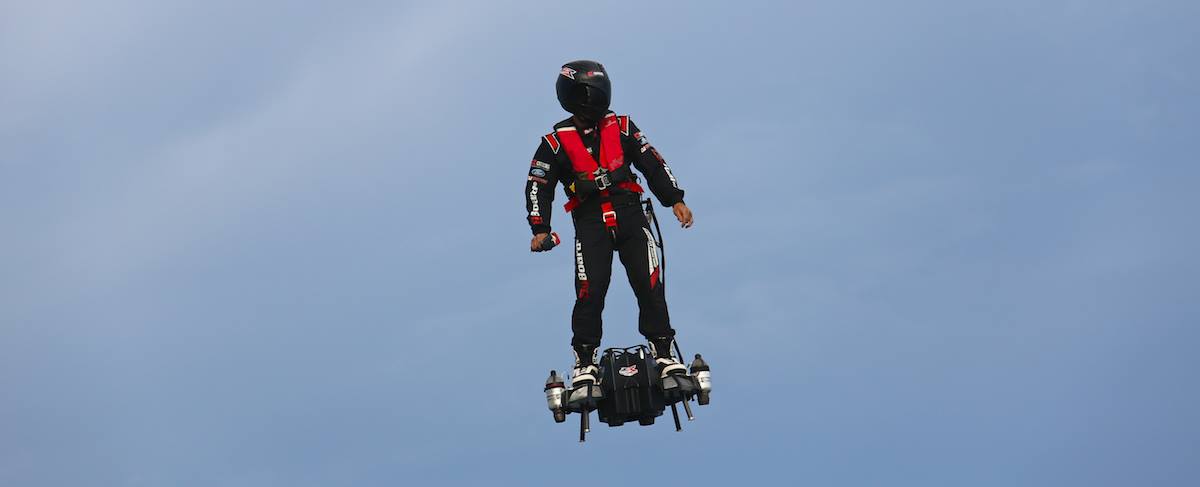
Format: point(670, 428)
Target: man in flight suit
point(591, 154)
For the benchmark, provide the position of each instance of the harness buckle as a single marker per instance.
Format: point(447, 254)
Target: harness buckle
point(610, 218)
point(602, 179)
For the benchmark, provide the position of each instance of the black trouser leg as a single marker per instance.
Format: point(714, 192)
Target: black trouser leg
point(639, 255)
point(593, 271)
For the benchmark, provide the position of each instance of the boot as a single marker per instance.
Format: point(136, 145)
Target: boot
point(664, 358)
point(585, 369)
point(585, 372)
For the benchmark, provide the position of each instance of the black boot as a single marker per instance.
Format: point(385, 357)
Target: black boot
point(664, 358)
point(585, 365)
point(585, 373)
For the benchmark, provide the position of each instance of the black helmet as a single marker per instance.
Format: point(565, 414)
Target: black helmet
point(584, 90)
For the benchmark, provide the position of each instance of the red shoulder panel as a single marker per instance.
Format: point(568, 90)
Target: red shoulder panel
point(623, 121)
point(553, 141)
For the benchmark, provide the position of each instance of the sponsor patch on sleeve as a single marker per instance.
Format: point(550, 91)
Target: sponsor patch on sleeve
point(656, 154)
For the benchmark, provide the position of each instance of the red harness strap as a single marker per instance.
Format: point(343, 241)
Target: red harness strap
point(612, 157)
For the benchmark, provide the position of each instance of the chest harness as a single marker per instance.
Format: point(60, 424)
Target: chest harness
point(589, 171)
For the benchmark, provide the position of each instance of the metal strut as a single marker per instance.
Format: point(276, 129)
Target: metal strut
point(585, 426)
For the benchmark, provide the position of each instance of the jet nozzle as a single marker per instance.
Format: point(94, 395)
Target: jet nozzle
point(703, 378)
point(554, 395)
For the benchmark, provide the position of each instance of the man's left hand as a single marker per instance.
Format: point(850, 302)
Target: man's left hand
point(683, 214)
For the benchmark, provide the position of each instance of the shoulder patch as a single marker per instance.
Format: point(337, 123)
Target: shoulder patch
point(623, 121)
point(552, 141)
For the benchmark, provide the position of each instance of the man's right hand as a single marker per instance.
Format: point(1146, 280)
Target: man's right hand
point(535, 245)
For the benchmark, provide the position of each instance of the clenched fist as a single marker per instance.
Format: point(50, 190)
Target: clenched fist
point(536, 244)
point(683, 214)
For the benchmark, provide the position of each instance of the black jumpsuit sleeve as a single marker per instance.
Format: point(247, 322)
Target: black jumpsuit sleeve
point(539, 188)
point(652, 165)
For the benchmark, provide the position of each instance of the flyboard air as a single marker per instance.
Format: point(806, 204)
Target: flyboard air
point(629, 386)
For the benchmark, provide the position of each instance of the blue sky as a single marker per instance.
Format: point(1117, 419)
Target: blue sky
point(937, 243)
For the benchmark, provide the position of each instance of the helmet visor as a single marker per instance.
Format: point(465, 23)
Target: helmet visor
point(592, 100)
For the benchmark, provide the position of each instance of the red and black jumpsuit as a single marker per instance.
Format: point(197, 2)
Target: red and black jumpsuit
point(605, 207)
